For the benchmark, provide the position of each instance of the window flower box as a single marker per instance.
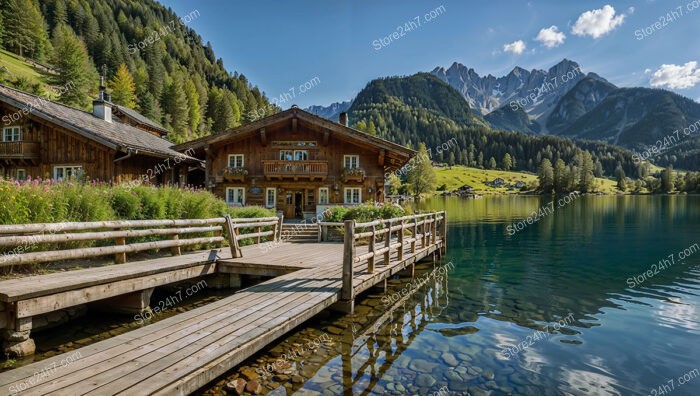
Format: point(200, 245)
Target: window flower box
point(353, 174)
point(235, 173)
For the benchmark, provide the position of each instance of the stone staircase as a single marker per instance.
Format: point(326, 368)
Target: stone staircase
point(299, 233)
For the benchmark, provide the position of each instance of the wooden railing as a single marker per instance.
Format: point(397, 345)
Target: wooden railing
point(408, 233)
point(18, 238)
point(19, 149)
point(236, 228)
point(282, 169)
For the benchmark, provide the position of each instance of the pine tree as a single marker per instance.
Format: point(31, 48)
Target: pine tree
point(123, 88)
point(451, 160)
point(667, 179)
point(176, 110)
point(421, 176)
point(561, 176)
point(76, 73)
point(25, 30)
point(621, 178)
point(2, 28)
point(195, 110)
point(507, 162)
point(586, 178)
point(546, 176)
point(492, 163)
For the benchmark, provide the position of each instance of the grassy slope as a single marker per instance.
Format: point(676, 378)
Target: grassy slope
point(457, 176)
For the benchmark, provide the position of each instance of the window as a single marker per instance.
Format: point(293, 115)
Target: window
point(21, 174)
point(286, 155)
point(235, 161)
point(11, 134)
point(351, 161)
point(235, 196)
point(271, 197)
point(301, 155)
point(353, 195)
point(323, 196)
point(66, 172)
point(290, 198)
point(310, 198)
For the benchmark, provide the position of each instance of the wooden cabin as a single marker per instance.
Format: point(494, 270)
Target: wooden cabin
point(297, 163)
point(49, 140)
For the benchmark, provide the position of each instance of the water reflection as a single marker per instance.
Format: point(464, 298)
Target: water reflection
point(452, 331)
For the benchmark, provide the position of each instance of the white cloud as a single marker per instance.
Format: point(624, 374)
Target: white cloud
point(551, 37)
point(630, 10)
point(516, 47)
point(597, 23)
point(676, 77)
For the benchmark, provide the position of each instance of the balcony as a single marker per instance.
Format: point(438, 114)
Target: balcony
point(19, 150)
point(296, 170)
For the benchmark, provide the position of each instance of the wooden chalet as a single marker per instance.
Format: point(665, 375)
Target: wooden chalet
point(297, 163)
point(46, 139)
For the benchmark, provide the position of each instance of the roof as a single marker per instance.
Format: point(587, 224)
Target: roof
point(140, 119)
point(302, 115)
point(116, 135)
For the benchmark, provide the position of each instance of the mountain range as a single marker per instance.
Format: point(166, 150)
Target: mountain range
point(565, 101)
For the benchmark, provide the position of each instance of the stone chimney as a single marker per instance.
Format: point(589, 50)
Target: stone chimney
point(102, 107)
point(343, 118)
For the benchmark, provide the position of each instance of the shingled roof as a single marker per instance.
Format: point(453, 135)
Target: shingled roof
point(116, 135)
point(140, 119)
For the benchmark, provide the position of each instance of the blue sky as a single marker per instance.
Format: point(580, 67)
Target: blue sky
point(282, 45)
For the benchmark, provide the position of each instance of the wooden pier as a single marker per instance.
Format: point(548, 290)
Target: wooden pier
point(183, 353)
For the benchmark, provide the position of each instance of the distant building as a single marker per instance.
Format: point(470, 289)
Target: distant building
point(498, 182)
point(46, 139)
point(297, 163)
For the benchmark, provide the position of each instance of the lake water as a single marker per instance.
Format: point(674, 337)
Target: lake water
point(562, 304)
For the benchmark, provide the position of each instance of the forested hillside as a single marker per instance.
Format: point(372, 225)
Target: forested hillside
point(422, 108)
point(153, 61)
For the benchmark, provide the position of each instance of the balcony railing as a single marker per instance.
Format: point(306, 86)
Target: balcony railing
point(295, 169)
point(19, 149)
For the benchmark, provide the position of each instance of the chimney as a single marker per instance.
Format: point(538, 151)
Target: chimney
point(102, 107)
point(343, 118)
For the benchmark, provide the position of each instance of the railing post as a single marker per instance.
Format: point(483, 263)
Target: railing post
point(279, 237)
point(348, 291)
point(434, 228)
point(400, 236)
point(175, 250)
point(387, 245)
point(370, 261)
point(444, 231)
point(119, 258)
point(257, 239)
point(233, 241)
point(320, 235)
point(324, 233)
point(414, 242)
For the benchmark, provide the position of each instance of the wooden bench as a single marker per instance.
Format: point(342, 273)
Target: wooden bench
point(125, 287)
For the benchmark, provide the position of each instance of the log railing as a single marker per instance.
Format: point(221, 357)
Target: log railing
point(398, 235)
point(17, 239)
point(236, 229)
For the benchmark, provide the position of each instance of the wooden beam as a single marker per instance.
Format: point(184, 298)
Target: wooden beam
point(326, 137)
point(382, 154)
point(263, 137)
point(295, 122)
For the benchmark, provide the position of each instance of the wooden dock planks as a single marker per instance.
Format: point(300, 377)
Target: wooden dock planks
point(180, 354)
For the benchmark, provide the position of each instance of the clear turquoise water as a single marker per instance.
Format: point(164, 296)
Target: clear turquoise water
point(573, 263)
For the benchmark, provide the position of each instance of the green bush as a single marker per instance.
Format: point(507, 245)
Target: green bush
point(366, 212)
point(38, 201)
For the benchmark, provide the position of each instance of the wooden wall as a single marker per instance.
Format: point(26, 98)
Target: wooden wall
point(255, 153)
point(60, 146)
